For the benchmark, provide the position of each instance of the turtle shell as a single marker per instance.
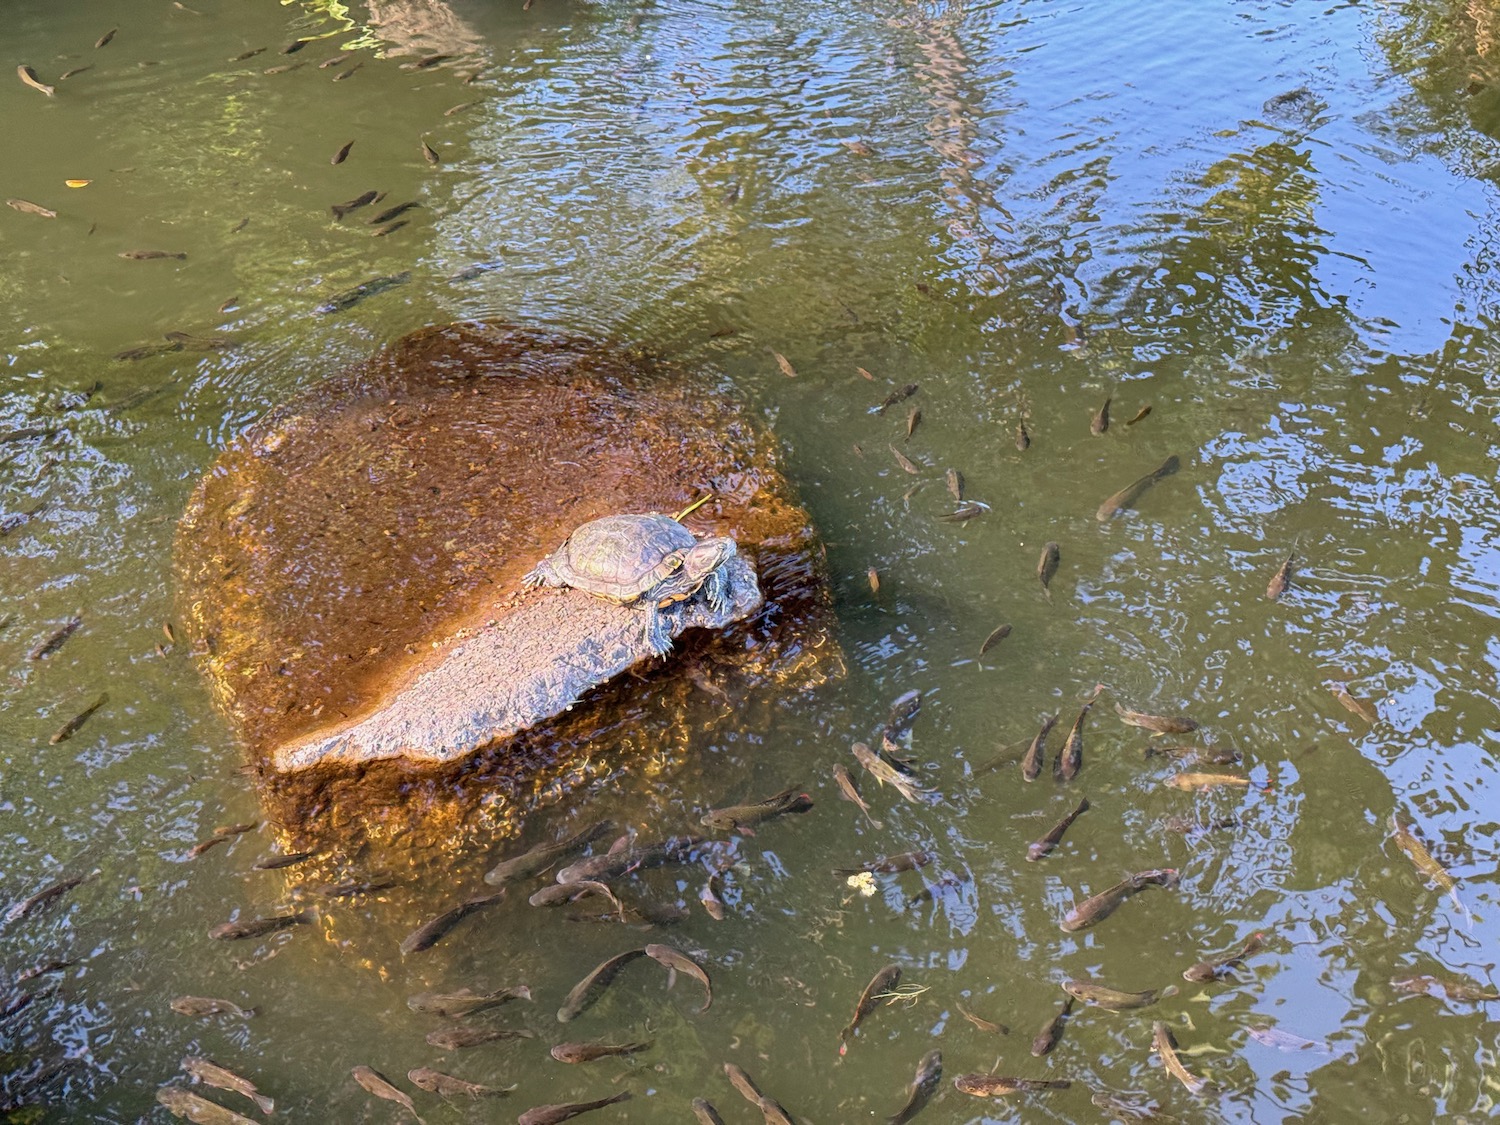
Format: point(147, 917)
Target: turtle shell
point(621, 557)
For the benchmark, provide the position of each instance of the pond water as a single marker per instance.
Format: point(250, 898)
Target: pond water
point(1272, 223)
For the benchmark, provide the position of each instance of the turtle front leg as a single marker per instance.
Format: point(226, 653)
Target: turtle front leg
point(716, 590)
point(658, 636)
point(542, 575)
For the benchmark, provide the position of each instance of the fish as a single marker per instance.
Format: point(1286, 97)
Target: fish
point(589, 1052)
point(46, 895)
point(335, 60)
point(193, 1107)
point(342, 154)
point(430, 154)
point(1023, 439)
point(543, 856)
point(587, 991)
point(73, 725)
point(968, 510)
point(770, 1109)
point(675, 849)
point(54, 641)
point(343, 74)
point(1214, 968)
point(103, 41)
point(1106, 902)
point(923, 1086)
point(1044, 846)
point(1357, 706)
point(850, 792)
point(445, 1085)
point(887, 774)
point(1163, 724)
point(1281, 581)
point(376, 1083)
point(906, 861)
point(1036, 753)
point(709, 896)
point(1102, 996)
point(873, 576)
point(1070, 758)
point(200, 343)
point(247, 55)
point(1046, 567)
point(904, 461)
point(457, 1038)
point(1422, 860)
point(43, 969)
point(981, 1023)
point(294, 46)
point(1465, 991)
point(28, 76)
point(706, 1113)
point(677, 961)
point(558, 894)
point(1268, 1036)
point(391, 212)
point(350, 297)
point(236, 829)
point(1051, 1032)
point(259, 927)
point(1191, 781)
point(742, 817)
point(152, 255)
point(211, 1073)
point(363, 199)
point(466, 1002)
point(65, 75)
point(350, 889)
point(994, 638)
point(1165, 1045)
point(880, 985)
point(955, 485)
point(1127, 496)
point(913, 420)
point(30, 208)
point(423, 64)
point(277, 862)
point(1139, 414)
point(785, 364)
point(284, 67)
point(1100, 422)
point(459, 108)
point(997, 1086)
point(430, 933)
point(900, 394)
point(201, 1006)
point(553, 1114)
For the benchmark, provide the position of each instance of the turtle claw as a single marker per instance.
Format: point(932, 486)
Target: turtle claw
point(657, 636)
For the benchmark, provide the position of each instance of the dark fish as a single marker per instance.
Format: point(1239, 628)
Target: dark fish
point(904, 461)
point(998, 1086)
point(706, 1113)
point(1046, 567)
point(350, 889)
point(236, 829)
point(445, 1085)
point(247, 55)
point(906, 861)
point(1102, 996)
point(1214, 968)
point(966, 511)
point(850, 792)
point(1282, 580)
point(955, 485)
point(43, 969)
point(457, 1038)
point(46, 895)
point(341, 209)
point(1164, 724)
point(201, 1006)
point(54, 641)
point(200, 343)
point(1166, 1047)
point(742, 817)
point(994, 638)
point(553, 1114)
point(1044, 846)
point(587, 991)
point(430, 933)
point(65, 75)
point(1052, 1030)
point(459, 108)
point(429, 154)
point(28, 76)
point(390, 213)
point(900, 394)
point(465, 1002)
point(335, 60)
point(103, 41)
point(27, 432)
point(1101, 419)
point(294, 46)
point(145, 351)
point(31, 208)
point(350, 297)
point(376, 1083)
point(258, 927)
point(913, 420)
point(423, 64)
point(277, 862)
point(589, 1052)
point(988, 1026)
point(877, 990)
point(151, 255)
point(1465, 991)
point(1070, 758)
point(676, 849)
point(342, 154)
point(343, 74)
point(678, 962)
point(1023, 439)
point(197, 1109)
point(1139, 414)
point(923, 1086)
point(73, 725)
point(1127, 496)
point(558, 894)
point(887, 774)
point(211, 1073)
point(1036, 753)
point(1106, 902)
point(543, 856)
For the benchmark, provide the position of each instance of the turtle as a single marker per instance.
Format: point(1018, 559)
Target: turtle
point(648, 560)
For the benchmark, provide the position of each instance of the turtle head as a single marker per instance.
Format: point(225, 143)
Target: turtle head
point(691, 566)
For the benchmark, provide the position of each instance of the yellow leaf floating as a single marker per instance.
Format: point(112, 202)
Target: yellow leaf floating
point(78, 183)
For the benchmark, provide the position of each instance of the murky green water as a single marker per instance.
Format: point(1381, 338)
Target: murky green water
point(1272, 223)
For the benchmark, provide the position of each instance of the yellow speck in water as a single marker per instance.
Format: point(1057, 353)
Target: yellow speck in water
point(864, 883)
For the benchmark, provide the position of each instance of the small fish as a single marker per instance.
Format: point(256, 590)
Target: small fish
point(1051, 1033)
point(390, 213)
point(998, 1086)
point(342, 154)
point(28, 76)
point(277, 862)
point(1069, 759)
point(880, 985)
point(785, 364)
point(994, 638)
point(913, 420)
point(678, 962)
point(543, 856)
point(1044, 846)
point(893, 865)
point(589, 1052)
point(874, 578)
point(1268, 1036)
point(193, 1107)
point(1139, 414)
point(259, 927)
point(457, 1038)
point(43, 969)
point(1046, 567)
point(988, 1026)
point(965, 511)
point(46, 895)
point(202, 1006)
point(63, 77)
point(212, 1074)
point(466, 1002)
point(900, 394)
point(956, 485)
point(343, 74)
point(103, 41)
point(858, 148)
point(350, 297)
point(284, 67)
point(1126, 1109)
point(1213, 969)
point(350, 889)
point(1422, 860)
point(54, 641)
point(1191, 781)
point(341, 209)
point(335, 60)
point(1356, 706)
point(200, 343)
point(887, 774)
point(247, 55)
point(423, 64)
point(1127, 496)
point(1023, 439)
point(30, 208)
point(430, 154)
point(904, 461)
point(1103, 904)
point(447, 1086)
point(741, 1081)
point(553, 1114)
point(868, 377)
point(430, 933)
point(587, 991)
point(1164, 724)
point(1465, 991)
point(236, 829)
point(376, 1083)
point(850, 792)
point(459, 108)
point(923, 1086)
point(73, 725)
point(559, 894)
point(294, 46)
point(152, 255)
point(1036, 753)
point(1165, 1045)
point(706, 1113)
point(622, 859)
point(710, 898)
point(742, 818)
point(1281, 581)
point(1101, 419)
point(1102, 996)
